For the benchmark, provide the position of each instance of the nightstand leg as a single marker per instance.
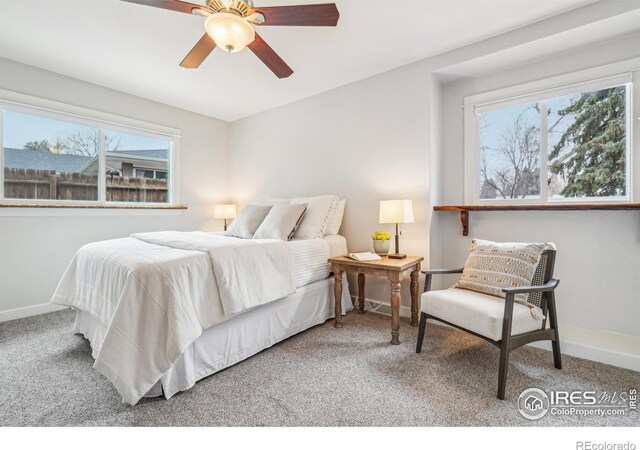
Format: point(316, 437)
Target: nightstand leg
point(415, 292)
point(337, 293)
point(360, 293)
point(395, 308)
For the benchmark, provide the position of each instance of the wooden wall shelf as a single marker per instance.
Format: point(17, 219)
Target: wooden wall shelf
point(464, 209)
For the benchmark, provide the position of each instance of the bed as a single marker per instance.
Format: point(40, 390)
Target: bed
point(152, 307)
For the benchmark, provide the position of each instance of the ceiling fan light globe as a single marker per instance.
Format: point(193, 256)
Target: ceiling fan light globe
point(230, 32)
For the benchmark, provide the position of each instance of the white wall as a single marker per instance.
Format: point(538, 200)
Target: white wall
point(598, 259)
point(368, 141)
point(36, 246)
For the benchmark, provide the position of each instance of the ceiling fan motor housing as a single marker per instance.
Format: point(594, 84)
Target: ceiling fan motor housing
point(238, 7)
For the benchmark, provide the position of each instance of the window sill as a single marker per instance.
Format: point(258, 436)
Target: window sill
point(464, 209)
point(41, 205)
point(35, 209)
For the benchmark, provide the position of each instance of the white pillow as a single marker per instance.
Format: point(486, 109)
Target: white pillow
point(248, 221)
point(274, 201)
point(336, 219)
point(315, 220)
point(281, 222)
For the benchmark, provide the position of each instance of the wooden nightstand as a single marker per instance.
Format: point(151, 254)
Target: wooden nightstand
point(394, 270)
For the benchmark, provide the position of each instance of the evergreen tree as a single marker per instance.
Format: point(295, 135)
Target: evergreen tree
point(595, 165)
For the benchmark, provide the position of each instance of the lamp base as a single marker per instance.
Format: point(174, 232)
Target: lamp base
point(396, 255)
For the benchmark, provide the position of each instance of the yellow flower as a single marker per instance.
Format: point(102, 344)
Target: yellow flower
point(381, 236)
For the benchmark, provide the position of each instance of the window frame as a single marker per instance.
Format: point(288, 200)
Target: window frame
point(104, 122)
point(624, 73)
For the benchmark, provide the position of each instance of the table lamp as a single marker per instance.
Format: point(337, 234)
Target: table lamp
point(224, 212)
point(396, 211)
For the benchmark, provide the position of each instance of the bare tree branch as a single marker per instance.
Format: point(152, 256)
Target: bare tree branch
point(519, 150)
point(88, 143)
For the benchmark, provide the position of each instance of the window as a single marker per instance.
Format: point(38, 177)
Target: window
point(566, 144)
point(152, 174)
point(58, 158)
point(49, 159)
point(510, 152)
point(140, 163)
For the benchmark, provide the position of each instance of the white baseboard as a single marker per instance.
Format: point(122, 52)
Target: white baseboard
point(616, 349)
point(28, 311)
point(385, 308)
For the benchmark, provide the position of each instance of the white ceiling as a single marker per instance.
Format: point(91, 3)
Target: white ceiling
point(136, 49)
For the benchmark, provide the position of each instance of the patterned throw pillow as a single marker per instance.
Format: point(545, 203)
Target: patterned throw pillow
point(492, 266)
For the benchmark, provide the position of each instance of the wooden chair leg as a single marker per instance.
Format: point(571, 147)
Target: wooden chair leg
point(557, 357)
point(504, 368)
point(423, 316)
point(553, 322)
point(505, 346)
point(423, 326)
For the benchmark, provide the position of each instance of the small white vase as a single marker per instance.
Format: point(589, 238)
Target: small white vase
point(381, 247)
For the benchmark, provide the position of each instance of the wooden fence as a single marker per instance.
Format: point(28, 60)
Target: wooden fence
point(48, 185)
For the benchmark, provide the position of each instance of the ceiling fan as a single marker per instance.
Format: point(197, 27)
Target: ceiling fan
point(229, 25)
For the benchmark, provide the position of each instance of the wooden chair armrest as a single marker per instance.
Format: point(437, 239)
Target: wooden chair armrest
point(441, 271)
point(429, 273)
point(548, 286)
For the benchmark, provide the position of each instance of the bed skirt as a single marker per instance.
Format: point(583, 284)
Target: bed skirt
point(238, 338)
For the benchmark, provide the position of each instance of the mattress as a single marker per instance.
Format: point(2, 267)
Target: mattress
point(310, 257)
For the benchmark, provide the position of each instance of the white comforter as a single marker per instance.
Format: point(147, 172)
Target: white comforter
point(157, 294)
point(248, 272)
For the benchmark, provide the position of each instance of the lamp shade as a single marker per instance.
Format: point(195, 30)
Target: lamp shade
point(396, 211)
point(224, 211)
point(230, 32)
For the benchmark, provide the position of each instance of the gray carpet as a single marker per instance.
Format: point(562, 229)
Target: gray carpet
point(321, 377)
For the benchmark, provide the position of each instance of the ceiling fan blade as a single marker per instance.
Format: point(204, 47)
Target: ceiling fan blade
point(322, 15)
point(173, 5)
point(198, 53)
point(270, 58)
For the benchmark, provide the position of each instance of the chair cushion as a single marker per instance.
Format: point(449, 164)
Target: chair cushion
point(477, 312)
